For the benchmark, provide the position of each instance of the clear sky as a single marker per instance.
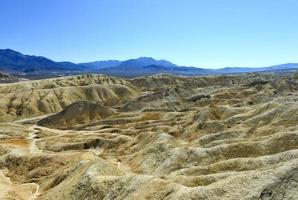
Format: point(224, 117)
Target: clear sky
point(202, 33)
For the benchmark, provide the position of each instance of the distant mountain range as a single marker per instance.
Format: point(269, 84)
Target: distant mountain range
point(139, 62)
point(37, 67)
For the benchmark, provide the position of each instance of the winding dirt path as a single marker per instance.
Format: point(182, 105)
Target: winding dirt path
point(33, 149)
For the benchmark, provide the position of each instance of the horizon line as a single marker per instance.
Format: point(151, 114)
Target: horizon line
point(157, 59)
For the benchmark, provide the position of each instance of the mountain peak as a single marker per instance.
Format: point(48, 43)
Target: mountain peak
point(145, 61)
point(144, 58)
point(9, 51)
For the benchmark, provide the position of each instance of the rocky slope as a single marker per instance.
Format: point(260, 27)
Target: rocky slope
point(35, 98)
point(75, 114)
point(157, 137)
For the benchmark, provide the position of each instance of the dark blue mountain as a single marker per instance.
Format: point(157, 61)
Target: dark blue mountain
point(13, 61)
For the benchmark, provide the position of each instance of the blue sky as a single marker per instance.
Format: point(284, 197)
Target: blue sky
point(202, 33)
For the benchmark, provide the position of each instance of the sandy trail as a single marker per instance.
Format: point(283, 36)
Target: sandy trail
point(33, 149)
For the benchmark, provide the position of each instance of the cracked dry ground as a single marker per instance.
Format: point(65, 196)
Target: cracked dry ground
point(157, 137)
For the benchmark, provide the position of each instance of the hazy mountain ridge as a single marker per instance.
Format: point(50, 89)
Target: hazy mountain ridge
point(40, 67)
point(101, 64)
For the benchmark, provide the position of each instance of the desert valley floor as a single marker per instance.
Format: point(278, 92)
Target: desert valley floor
point(156, 137)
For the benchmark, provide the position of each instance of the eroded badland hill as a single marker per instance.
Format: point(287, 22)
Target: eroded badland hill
point(157, 137)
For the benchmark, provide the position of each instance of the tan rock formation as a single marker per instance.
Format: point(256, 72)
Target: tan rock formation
point(158, 137)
